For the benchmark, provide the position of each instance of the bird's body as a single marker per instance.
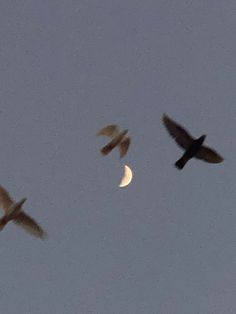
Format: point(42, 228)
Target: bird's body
point(116, 141)
point(190, 152)
point(119, 139)
point(13, 212)
point(193, 147)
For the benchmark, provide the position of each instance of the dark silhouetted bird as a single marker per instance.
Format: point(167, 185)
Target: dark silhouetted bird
point(13, 212)
point(193, 147)
point(118, 139)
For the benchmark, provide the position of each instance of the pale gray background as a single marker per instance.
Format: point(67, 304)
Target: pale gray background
point(167, 243)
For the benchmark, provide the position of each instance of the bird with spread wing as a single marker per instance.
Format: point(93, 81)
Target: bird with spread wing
point(193, 147)
point(118, 138)
point(13, 212)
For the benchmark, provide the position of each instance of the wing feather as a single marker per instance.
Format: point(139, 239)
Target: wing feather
point(110, 130)
point(124, 146)
point(30, 225)
point(181, 136)
point(209, 155)
point(5, 199)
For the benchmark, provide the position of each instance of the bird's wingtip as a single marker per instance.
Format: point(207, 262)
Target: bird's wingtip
point(44, 236)
point(165, 118)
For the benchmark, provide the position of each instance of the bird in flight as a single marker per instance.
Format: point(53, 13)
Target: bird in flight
point(193, 147)
point(13, 211)
point(118, 138)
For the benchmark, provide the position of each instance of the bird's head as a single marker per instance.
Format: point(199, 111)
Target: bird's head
point(202, 138)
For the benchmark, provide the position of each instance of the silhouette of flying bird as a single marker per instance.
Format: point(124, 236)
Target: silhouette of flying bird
point(119, 139)
point(13, 211)
point(193, 147)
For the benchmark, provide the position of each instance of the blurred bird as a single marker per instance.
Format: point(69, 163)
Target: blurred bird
point(193, 147)
point(118, 139)
point(13, 211)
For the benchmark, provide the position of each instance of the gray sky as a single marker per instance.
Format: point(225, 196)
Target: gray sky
point(164, 245)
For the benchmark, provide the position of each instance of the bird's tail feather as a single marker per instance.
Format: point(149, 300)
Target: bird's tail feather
point(181, 162)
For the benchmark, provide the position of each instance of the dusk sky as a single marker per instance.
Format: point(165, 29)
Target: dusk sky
point(166, 244)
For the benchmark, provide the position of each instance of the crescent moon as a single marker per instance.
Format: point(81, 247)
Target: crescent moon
point(127, 177)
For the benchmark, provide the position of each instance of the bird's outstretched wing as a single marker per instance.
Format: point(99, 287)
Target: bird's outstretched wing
point(5, 199)
point(30, 225)
point(209, 155)
point(181, 136)
point(124, 146)
point(110, 130)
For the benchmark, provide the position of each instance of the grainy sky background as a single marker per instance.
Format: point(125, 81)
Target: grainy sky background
point(166, 244)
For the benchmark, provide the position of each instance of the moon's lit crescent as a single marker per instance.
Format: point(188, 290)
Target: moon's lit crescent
point(127, 177)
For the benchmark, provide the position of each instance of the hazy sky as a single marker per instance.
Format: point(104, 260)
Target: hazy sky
point(167, 243)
